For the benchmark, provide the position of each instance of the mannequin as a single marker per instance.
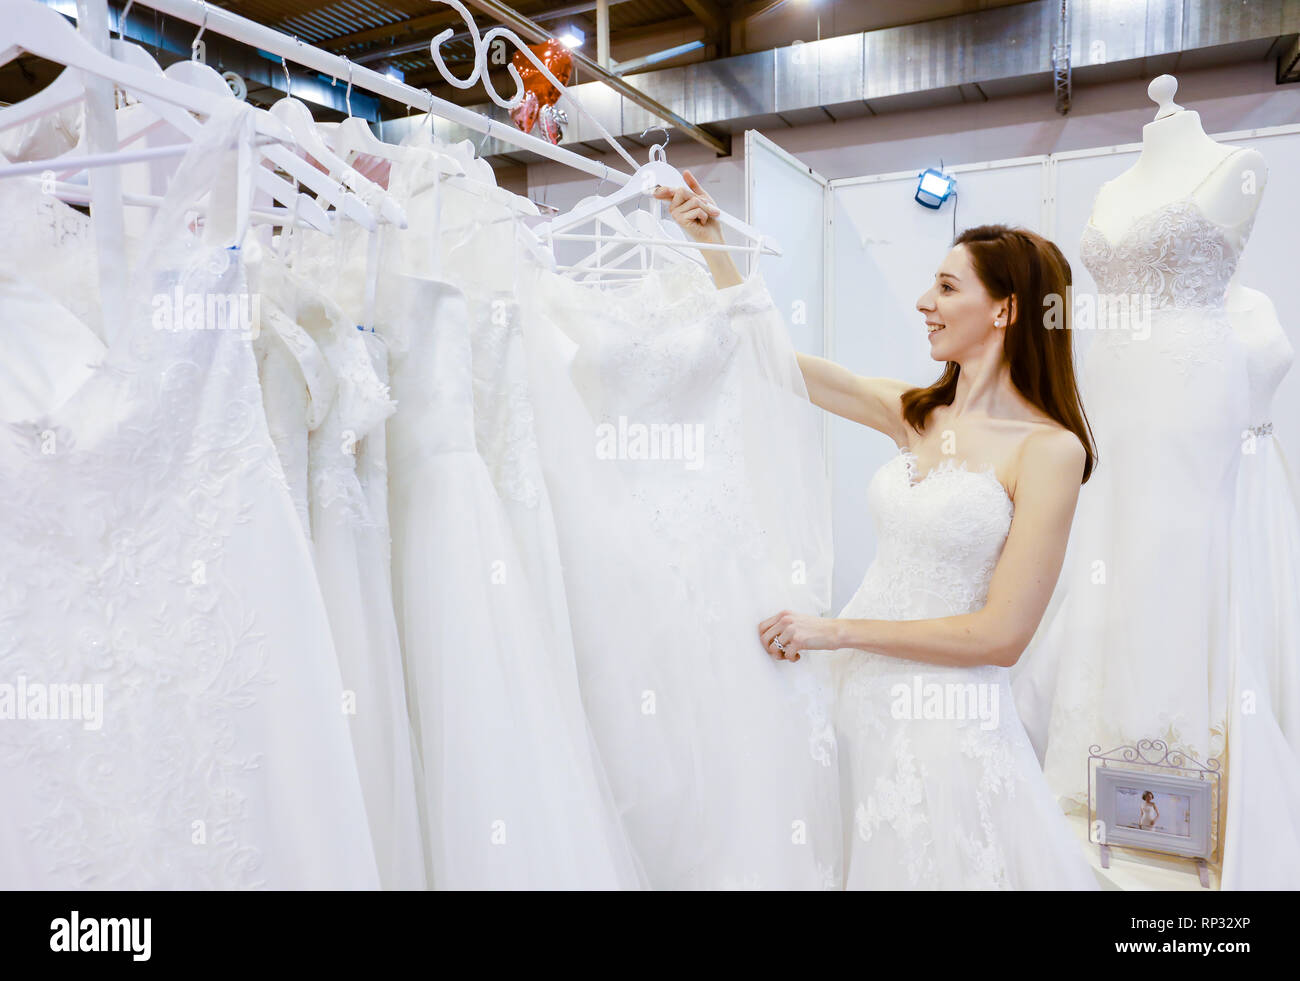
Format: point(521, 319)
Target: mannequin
point(1141, 645)
point(1179, 160)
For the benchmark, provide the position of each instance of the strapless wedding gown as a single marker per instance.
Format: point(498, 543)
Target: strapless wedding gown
point(941, 794)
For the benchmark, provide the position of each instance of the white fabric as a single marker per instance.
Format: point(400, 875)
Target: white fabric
point(1261, 852)
point(351, 550)
point(512, 794)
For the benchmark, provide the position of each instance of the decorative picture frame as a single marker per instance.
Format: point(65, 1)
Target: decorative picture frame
point(1150, 797)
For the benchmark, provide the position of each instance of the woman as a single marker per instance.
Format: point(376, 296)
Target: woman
point(943, 788)
point(1150, 814)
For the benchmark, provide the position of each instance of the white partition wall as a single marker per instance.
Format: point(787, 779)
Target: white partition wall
point(787, 200)
point(885, 248)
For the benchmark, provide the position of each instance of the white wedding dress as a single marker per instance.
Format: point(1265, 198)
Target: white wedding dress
point(512, 791)
point(350, 544)
point(941, 794)
point(149, 545)
point(721, 759)
point(1139, 647)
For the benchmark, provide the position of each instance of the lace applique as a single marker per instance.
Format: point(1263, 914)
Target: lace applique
point(897, 799)
point(126, 589)
point(1182, 262)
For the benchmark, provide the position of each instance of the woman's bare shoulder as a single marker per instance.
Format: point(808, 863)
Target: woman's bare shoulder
point(1051, 448)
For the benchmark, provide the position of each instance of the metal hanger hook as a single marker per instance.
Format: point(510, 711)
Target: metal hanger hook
point(428, 110)
point(198, 50)
point(121, 20)
point(347, 96)
point(288, 84)
point(659, 146)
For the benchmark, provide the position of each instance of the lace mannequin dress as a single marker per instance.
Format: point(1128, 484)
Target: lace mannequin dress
point(149, 547)
point(1139, 647)
point(944, 790)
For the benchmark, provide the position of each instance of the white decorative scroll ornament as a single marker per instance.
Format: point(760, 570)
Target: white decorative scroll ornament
point(482, 43)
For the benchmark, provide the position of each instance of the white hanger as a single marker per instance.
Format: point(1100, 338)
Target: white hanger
point(204, 76)
point(612, 250)
point(209, 83)
point(656, 173)
point(354, 136)
point(296, 116)
point(40, 30)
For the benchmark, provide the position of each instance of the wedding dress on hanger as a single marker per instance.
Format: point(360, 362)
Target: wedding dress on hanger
point(149, 546)
point(671, 562)
point(951, 798)
point(512, 792)
point(351, 550)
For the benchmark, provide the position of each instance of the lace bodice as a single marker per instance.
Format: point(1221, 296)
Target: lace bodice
point(939, 540)
point(1174, 254)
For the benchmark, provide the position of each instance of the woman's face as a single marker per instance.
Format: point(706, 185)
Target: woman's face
point(959, 313)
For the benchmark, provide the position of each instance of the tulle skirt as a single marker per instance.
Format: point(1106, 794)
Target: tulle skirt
point(512, 788)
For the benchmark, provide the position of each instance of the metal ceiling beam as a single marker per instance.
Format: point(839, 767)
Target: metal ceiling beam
point(430, 23)
point(708, 12)
point(414, 46)
point(532, 32)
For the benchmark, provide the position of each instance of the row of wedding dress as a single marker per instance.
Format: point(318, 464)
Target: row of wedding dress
point(154, 559)
point(683, 757)
point(363, 562)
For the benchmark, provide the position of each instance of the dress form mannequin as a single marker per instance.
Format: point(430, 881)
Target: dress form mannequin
point(1179, 160)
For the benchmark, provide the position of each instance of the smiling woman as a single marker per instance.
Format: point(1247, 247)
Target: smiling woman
point(968, 559)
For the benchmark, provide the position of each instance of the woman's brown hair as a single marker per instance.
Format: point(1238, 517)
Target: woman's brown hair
point(1017, 262)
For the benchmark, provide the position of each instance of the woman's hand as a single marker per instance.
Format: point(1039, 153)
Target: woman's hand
point(695, 212)
point(796, 633)
point(693, 209)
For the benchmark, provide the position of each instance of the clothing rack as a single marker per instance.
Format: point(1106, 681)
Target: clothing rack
point(219, 21)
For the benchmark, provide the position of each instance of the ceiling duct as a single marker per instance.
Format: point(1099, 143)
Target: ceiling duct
point(965, 58)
